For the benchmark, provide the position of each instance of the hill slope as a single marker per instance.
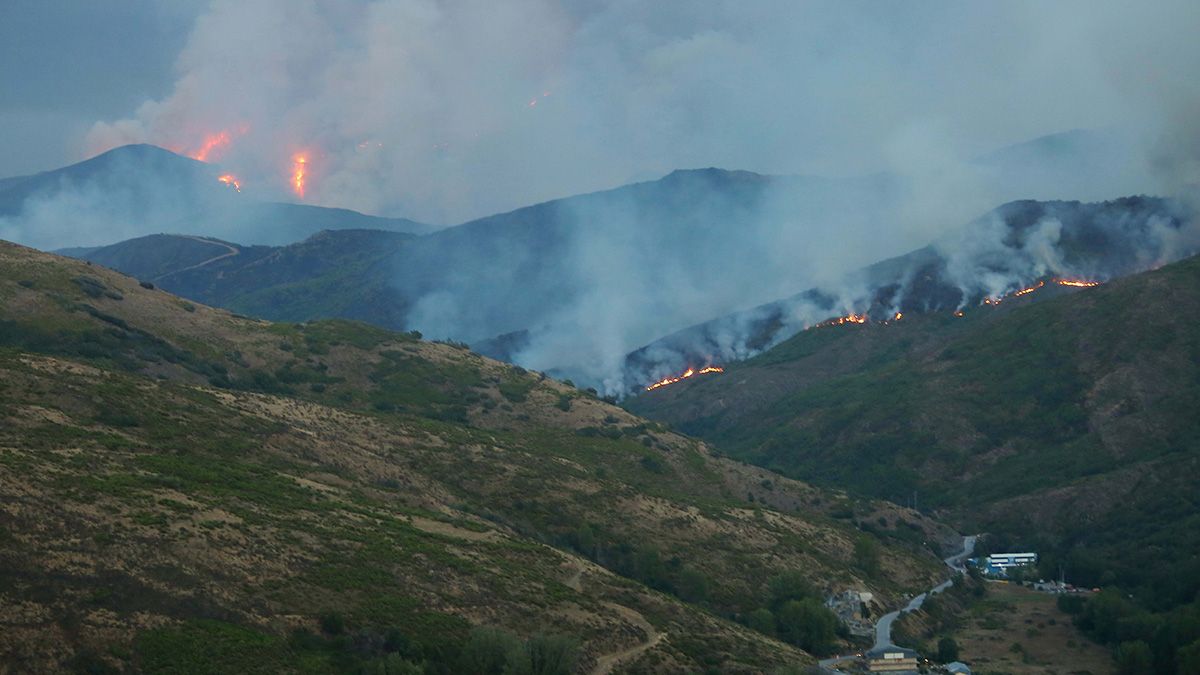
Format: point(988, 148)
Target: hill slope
point(573, 285)
point(136, 190)
point(1007, 249)
point(1066, 425)
point(182, 486)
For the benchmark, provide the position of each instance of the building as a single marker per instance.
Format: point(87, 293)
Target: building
point(892, 659)
point(998, 564)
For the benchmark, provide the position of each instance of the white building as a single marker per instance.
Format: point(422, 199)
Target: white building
point(1003, 561)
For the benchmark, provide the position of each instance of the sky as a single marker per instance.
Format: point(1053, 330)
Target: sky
point(445, 111)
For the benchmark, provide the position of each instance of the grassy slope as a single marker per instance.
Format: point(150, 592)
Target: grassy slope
point(1069, 424)
point(180, 483)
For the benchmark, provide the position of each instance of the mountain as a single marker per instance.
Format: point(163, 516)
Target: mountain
point(182, 488)
point(575, 285)
point(1084, 164)
point(139, 189)
point(543, 269)
point(1063, 424)
point(1006, 250)
point(334, 273)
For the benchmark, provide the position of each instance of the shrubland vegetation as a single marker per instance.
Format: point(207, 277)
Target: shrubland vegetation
point(1066, 426)
point(330, 497)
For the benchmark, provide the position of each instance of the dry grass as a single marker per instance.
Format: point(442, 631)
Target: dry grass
point(1049, 643)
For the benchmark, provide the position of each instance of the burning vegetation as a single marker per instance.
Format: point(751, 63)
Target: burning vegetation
point(231, 180)
point(299, 173)
point(990, 301)
point(690, 372)
point(213, 143)
point(841, 320)
point(1073, 283)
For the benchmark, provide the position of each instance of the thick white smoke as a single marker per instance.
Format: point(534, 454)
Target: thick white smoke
point(442, 111)
point(447, 110)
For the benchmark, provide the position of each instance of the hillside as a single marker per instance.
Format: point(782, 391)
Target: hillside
point(1066, 425)
point(563, 286)
point(332, 274)
point(135, 190)
point(182, 487)
point(1009, 248)
point(542, 270)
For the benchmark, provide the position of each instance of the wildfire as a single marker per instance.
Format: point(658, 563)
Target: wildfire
point(1074, 283)
point(690, 372)
point(212, 142)
point(842, 320)
point(231, 180)
point(299, 173)
point(899, 315)
point(1027, 291)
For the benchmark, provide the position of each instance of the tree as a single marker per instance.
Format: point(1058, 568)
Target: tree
point(762, 620)
point(544, 655)
point(1135, 658)
point(1189, 659)
point(866, 555)
point(789, 585)
point(394, 664)
point(692, 585)
point(947, 650)
point(807, 624)
point(487, 651)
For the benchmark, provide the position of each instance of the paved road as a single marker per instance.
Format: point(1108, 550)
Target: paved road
point(883, 628)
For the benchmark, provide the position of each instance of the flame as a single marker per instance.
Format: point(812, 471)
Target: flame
point(690, 372)
point(899, 315)
point(299, 173)
point(230, 179)
point(1027, 291)
point(212, 142)
point(1077, 283)
point(841, 320)
point(958, 312)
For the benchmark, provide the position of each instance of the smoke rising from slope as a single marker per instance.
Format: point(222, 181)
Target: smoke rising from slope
point(444, 111)
point(987, 260)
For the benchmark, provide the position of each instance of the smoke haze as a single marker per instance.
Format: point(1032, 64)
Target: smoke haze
point(448, 111)
point(892, 125)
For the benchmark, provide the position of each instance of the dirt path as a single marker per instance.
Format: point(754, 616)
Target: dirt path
point(232, 251)
point(606, 663)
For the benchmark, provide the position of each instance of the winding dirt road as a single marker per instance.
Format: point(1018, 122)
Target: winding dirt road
point(606, 663)
point(232, 251)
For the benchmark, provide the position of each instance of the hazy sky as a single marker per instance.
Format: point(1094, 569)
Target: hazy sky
point(448, 110)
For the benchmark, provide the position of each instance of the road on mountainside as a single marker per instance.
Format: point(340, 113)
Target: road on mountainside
point(232, 251)
point(883, 628)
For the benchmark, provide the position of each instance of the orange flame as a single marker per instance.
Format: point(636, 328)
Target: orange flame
point(212, 143)
point(1077, 283)
point(841, 320)
point(690, 372)
point(230, 179)
point(958, 313)
point(899, 315)
point(299, 173)
point(1027, 291)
